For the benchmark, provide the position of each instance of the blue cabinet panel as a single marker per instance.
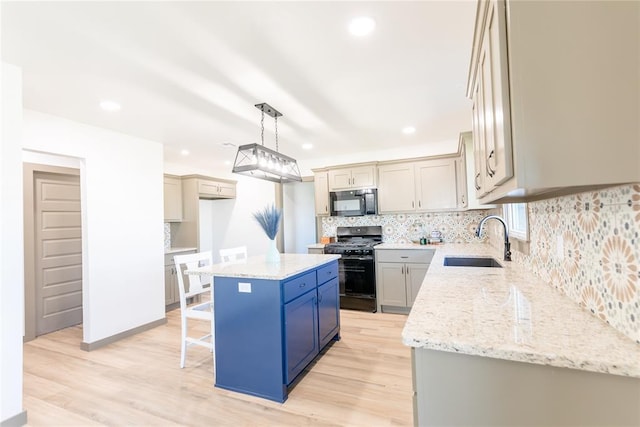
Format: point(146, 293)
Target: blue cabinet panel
point(301, 326)
point(327, 272)
point(248, 332)
point(295, 287)
point(328, 311)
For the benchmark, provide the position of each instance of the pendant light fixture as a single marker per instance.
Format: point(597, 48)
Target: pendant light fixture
point(260, 162)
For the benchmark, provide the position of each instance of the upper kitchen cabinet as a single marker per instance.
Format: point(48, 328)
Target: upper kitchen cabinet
point(413, 186)
point(555, 98)
point(321, 187)
point(214, 188)
point(172, 198)
point(347, 178)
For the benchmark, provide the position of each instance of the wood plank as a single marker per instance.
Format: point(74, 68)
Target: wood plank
point(363, 379)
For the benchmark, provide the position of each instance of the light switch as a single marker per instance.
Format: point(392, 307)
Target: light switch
point(244, 287)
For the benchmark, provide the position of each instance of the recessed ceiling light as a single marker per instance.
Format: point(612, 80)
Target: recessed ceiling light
point(184, 152)
point(227, 162)
point(361, 26)
point(408, 130)
point(307, 146)
point(109, 105)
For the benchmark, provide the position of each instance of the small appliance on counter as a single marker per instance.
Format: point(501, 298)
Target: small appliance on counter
point(356, 266)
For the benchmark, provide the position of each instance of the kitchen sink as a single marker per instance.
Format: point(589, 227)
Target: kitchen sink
point(471, 262)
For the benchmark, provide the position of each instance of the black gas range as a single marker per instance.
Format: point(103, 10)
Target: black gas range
point(356, 266)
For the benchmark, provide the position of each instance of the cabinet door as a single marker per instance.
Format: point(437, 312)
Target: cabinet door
point(301, 333)
point(321, 188)
point(328, 311)
point(461, 181)
point(339, 179)
point(227, 190)
point(364, 176)
point(478, 139)
point(415, 276)
point(436, 184)
point(208, 188)
point(396, 188)
point(499, 164)
point(170, 284)
point(172, 199)
point(391, 281)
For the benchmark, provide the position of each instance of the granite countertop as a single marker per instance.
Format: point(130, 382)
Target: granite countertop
point(256, 267)
point(176, 250)
point(507, 313)
point(316, 246)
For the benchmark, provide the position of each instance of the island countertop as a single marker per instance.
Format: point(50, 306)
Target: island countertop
point(257, 267)
point(507, 313)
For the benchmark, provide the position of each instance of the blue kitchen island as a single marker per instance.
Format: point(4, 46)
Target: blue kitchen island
point(272, 320)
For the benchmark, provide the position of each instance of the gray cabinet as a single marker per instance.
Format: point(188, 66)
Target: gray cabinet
point(321, 188)
point(316, 251)
point(399, 275)
point(172, 198)
point(554, 112)
point(171, 293)
point(352, 177)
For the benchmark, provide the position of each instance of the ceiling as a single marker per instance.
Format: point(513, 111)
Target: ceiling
point(187, 74)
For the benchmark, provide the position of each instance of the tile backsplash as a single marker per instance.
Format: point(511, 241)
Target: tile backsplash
point(587, 245)
point(167, 235)
point(456, 227)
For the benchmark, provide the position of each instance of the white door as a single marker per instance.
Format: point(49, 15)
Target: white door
point(58, 251)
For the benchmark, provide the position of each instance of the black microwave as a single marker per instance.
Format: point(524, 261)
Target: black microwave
point(354, 202)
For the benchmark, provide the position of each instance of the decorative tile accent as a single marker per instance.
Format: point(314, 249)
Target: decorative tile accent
point(456, 227)
point(599, 266)
point(167, 235)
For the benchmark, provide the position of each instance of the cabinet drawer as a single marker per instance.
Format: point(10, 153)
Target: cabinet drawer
point(296, 287)
point(405, 255)
point(327, 272)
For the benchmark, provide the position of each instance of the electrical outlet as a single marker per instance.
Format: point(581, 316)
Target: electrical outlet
point(560, 247)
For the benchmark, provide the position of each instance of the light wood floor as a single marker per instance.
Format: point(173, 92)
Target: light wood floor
point(362, 380)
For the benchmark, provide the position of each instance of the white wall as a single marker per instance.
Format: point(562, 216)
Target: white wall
point(300, 217)
point(230, 223)
point(11, 245)
point(123, 247)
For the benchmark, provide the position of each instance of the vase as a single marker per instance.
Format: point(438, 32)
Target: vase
point(273, 255)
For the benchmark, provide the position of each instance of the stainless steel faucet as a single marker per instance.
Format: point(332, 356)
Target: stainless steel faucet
point(507, 245)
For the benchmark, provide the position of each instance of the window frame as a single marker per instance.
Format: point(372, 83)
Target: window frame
point(514, 215)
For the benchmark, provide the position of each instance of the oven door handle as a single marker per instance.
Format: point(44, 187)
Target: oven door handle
point(357, 258)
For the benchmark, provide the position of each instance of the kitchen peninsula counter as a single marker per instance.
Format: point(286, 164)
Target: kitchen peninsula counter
point(271, 320)
point(495, 344)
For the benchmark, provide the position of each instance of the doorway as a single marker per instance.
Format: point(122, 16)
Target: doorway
point(53, 249)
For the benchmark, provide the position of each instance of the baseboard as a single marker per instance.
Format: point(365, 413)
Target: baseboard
point(105, 341)
point(17, 420)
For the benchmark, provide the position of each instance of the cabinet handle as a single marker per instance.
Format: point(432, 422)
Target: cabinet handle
point(302, 285)
point(476, 181)
point(319, 298)
point(404, 257)
point(413, 204)
point(419, 204)
point(463, 199)
point(491, 172)
point(402, 270)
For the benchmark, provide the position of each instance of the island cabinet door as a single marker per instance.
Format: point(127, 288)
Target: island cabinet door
point(301, 333)
point(328, 311)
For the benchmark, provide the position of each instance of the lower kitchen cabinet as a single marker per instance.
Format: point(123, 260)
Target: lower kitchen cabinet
point(171, 293)
point(328, 311)
point(399, 275)
point(301, 330)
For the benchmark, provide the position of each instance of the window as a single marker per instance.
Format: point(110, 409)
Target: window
point(517, 218)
